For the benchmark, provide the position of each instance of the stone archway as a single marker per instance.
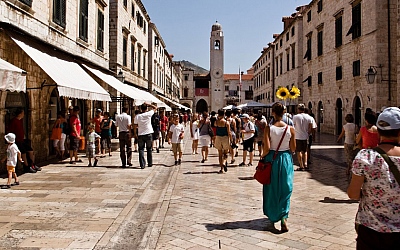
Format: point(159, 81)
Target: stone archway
point(339, 116)
point(201, 106)
point(357, 111)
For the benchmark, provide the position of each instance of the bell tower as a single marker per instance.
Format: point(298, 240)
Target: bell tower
point(217, 88)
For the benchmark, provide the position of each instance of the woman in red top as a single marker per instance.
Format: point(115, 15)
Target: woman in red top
point(368, 136)
point(163, 128)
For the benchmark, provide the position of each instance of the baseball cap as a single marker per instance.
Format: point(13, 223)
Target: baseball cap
point(245, 116)
point(389, 119)
point(10, 137)
point(99, 110)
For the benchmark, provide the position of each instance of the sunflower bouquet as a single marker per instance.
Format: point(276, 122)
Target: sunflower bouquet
point(283, 93)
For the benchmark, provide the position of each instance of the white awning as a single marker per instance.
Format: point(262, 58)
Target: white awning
point(176, 103)
point(71, 79)
point(12, 78)
point(139, 96)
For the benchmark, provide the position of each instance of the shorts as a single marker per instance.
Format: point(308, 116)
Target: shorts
point(105, 142)
point(74, 143)
point(11, 169)
point(222, 142)
point(24, 147)
point(214, 129)
point(177, 148)
point(204, 140)
point(248, 145)
point(156, 135)
point(90, 152)
point(301, 145)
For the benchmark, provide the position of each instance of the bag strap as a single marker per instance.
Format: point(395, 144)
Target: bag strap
point(392, 167)
point(280, 142)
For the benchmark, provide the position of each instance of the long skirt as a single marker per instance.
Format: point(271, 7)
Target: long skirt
point(276, 195)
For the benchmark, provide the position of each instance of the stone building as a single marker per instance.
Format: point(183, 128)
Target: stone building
point(49, 45)
point(238, 89)
point(341, 41)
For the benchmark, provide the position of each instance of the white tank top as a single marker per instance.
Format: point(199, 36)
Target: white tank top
point(276, 135)
point(349, 133)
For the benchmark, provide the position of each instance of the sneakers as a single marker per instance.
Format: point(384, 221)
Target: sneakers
point(6, 187)
point(242, 164)
point(36, 168)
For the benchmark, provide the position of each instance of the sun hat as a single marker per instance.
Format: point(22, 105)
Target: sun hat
point(389, 119)
point(245, 116)
point(10, 137)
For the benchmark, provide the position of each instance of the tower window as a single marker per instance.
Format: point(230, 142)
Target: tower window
point(217, 45)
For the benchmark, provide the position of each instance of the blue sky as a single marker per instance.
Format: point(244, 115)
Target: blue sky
point(248, 25)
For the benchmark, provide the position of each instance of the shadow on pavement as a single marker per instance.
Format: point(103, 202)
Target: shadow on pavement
point(333, 200)
point(262, 224)
point(248, 178)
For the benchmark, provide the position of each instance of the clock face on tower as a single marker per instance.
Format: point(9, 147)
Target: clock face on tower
point(217, 73)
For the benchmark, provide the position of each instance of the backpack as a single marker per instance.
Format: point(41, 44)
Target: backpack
point(155, 122)
point(255, 130)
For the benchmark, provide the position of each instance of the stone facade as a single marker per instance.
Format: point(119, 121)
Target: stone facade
point(332, 76)
point(36, 24)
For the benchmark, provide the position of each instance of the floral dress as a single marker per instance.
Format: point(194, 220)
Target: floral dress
point(379, 207)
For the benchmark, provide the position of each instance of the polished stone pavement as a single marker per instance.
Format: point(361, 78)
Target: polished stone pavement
point(175, 207)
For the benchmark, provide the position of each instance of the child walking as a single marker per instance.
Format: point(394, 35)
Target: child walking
point(92, 139)
point(106, 124)
point(175, 135)
point(13, 154)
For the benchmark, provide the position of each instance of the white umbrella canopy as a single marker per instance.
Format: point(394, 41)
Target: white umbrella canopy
point(229, 107)
point(252, 104)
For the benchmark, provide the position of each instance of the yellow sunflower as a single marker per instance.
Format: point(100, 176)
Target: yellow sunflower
point(282, 93)
point(294, 92)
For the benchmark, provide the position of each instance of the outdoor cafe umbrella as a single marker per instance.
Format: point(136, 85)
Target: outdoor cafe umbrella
point(252, 104)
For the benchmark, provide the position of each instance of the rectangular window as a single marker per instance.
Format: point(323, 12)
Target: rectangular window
point(287, 36)
point(319, 6)
point(126, 4)
point(27, 2)
point(139, 54)
point(187, 78)
point(320, 42)
point(227, 88)
point(280, 43)
point(276, 67)
point(269, 74)
point(133, 57)
point(144, 27)
point(308, 51)
point(280, 65)
point(338, 73)
point(319, 77)
point(83, 20)
point(185, 92)
point(287, 61)
point(59, 12)
point(309, 16)
point(293, 31)
point(309, 81)
point(144, 64)
point(355, 29)
point(124, 51)
point(338, 31)
point(293, 57)
point(133, 11)
point(100, 30)
point(356, 68)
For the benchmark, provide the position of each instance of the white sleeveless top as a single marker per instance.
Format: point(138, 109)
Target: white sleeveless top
point(349, 133)
point(276, 135)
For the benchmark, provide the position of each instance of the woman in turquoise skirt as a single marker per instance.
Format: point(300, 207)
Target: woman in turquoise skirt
point(276, 195)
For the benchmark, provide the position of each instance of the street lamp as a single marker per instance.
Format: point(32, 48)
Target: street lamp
point(371, 73)
point(121, 76)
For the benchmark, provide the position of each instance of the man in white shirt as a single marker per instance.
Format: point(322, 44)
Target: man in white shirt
point(124, 123)
point(311, 136)
point(145, 133)
point(248, 139)
point(303, 127)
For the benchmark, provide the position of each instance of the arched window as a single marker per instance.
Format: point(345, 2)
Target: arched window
point(217, 45)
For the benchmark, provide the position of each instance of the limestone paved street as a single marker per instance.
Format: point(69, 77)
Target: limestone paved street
point(175, 207)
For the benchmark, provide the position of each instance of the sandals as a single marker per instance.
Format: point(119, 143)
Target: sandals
point(284, 227)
